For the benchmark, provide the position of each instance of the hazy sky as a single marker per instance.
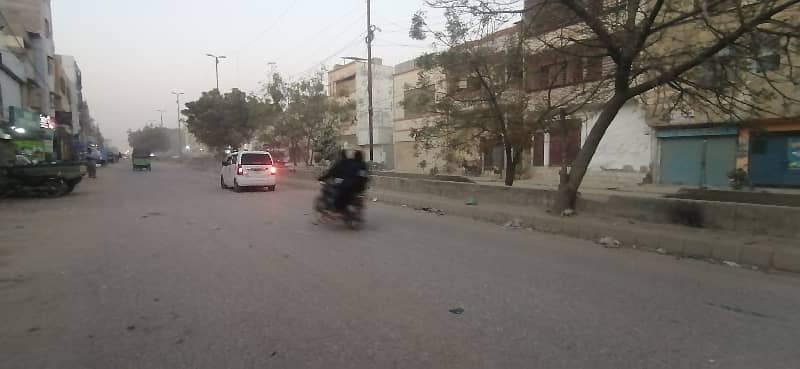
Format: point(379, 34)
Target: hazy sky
point(134, 53)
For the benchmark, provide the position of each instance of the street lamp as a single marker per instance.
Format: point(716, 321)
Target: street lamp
point(178, 103)
point(216, 65)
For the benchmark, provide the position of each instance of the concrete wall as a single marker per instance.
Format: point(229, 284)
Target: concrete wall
point(760, 220)
point(627, 144)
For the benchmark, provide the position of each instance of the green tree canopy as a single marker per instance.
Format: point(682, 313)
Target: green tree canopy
point(153, 139)
point(229, 120)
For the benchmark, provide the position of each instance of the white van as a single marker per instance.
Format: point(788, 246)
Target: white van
point(248, 169)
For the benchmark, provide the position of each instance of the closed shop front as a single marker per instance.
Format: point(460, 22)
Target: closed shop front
point(697, 157)
point(775, 159)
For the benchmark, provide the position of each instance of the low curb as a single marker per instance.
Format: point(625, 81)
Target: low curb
point(646, 237)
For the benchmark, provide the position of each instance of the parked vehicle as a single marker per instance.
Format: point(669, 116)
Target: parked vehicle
point(352, 215)
point(45, 180)
point(253, 169)
point(141, 160)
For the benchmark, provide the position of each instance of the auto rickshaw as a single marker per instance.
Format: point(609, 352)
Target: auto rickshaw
point(141, 159)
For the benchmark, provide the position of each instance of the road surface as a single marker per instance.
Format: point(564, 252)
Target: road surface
point(166, 270)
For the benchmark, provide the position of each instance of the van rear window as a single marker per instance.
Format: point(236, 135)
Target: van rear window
point(256, 159)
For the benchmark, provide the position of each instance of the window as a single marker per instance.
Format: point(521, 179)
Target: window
point(256, 159)
point(556, 74)
point(48, 29)
point(345, 87)
point(51, 67)
point(594, 68)
point(766, 54)
point(575, 71)
point(719, 71)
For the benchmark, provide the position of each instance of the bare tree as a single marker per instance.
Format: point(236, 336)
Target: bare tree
point(723, 59)
point(484, 95)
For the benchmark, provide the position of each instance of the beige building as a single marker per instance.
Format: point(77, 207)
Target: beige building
point(410, 158)
point(349, 82)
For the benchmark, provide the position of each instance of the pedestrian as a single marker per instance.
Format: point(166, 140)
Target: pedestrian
point(91, 163)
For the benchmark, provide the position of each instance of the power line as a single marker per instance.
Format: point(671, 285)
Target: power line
point(270, 27)
point(358, 39)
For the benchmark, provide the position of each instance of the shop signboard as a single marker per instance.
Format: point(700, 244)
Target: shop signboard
point(26, 124)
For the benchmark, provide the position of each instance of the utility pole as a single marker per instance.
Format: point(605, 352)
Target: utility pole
point(180, 133)
point(216, 65)
point(370, 37)
point(161, 111)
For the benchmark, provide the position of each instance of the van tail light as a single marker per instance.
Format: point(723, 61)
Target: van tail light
point(239, 170)
point(273, 171)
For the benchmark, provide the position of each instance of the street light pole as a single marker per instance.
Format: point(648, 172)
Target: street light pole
point(180, 133)
point(216, 65)
point(370, 37)
point(161, 111)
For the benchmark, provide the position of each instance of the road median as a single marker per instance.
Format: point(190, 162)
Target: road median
point(724, 247)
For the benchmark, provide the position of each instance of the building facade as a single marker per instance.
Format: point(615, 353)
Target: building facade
point(349, 82)
point(40, 91)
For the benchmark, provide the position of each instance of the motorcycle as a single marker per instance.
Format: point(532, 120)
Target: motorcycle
point(352, 215)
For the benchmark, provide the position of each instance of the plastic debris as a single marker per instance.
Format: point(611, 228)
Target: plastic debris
point(609, 242)
point(457, 311)
point(731, 264)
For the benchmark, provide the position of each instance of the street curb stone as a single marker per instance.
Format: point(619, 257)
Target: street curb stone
point(756, 255)
point(786, 259)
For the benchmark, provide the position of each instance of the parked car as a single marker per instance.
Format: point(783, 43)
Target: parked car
point(248, 169)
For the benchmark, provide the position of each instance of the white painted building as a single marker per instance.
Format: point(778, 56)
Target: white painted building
point(624, 156)
point(627, 144)
point(349, 82)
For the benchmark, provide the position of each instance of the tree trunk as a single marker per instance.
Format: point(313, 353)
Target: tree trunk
point(293, 152)
point(571, 182)
point(513, 159)
point(511, 168)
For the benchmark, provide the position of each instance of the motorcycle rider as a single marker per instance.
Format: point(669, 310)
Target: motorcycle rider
point(338, 172)
point(354, 180)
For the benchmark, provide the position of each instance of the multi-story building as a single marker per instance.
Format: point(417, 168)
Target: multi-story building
point(28, 36)
point(625, 153)
point(29, 24)
point(46, 93)
point(700, 143)
point(410, 157)
point(12, 81)
point(349, 82)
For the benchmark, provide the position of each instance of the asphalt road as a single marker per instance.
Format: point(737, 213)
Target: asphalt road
point(166, 270)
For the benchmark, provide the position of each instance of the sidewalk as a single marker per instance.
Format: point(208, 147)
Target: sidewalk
point(647, 190)
point(714, 245)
